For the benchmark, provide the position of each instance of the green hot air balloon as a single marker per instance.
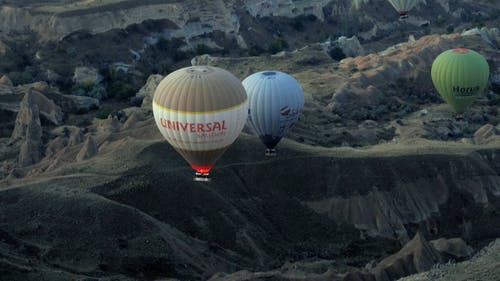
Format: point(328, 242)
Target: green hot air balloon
point(460, 75)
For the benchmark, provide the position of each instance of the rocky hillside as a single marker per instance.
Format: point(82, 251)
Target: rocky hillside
point(483, 266)
point(377, 97)
point(375, 195)
point(377, 181)
point(126, 41)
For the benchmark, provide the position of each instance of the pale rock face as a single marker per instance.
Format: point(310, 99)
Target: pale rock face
point(71, 103)
point(88, 150)
point(286, 8)
point(87, 76)
point(350, 46)
point(132, 121)
point(3, 48)
point(148, 90)
point(455, 247)
point(5, 80)
point(490, 35)
point(12, 96)
point(418, 255)
point(76, 136)
point(202, 60)
point(55, 146)
point(214, 15)
point(484, 134)
point(109, 125)
point(28, 129)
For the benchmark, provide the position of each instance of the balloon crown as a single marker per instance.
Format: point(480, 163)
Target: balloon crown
point(460, 51)
point(200, 70)
point(269, 73)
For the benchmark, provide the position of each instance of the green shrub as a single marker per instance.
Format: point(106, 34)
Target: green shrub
point(255, 50)
point(450, 29)
point(20, 78)
point(122, 90)
point(439, 21)
point(277, 45)
point(103, 114)
point(337, 54)
point(203, 49)
point(297, 24)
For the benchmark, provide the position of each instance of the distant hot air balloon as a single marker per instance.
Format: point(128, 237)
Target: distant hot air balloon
point(460, 75)
point(200, 110)
point(403, 6)
point(275, 103)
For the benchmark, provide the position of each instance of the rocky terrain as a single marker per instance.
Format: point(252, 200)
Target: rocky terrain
point(377, 180)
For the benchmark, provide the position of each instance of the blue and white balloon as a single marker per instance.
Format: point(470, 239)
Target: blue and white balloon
point(275, 100)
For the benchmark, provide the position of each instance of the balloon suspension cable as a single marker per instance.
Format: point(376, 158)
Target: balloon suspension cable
point(201, 176)
point(271, 152)
point(459, 116)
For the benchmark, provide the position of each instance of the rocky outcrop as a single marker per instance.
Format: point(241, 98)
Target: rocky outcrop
point(28, 130)
point(56, 145)
point(454, 248)
point(88, 150)
point(349, 46)
point(286, 8)
point(3, 48)
point(485, 134)
point(10, 101)
point(75, 136)
point(190, 18)
point(418, 255)
point(203, 60)
point(132, 121)
point(108, 125)
point(5, 80)
point(73, 104)
point(483, 266)
point(87, 76)
point(400, 73)
point(147, 91)
point(490, 35)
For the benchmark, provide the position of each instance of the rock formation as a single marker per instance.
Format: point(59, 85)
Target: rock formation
point(417, 256)
point(88, 149)
point(28, 131)
point(485, 133)
point(454, 248)
point(5, 80)
point(148, 90)
point(50, 111)
point(349, 46)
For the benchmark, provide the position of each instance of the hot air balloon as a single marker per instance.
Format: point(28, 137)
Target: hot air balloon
point(403, 6)
point(460, 75)
point(275, 103)
point(200, 110)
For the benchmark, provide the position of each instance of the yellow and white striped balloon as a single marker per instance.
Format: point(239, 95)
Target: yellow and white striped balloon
point(403, 6)
point(200, 110)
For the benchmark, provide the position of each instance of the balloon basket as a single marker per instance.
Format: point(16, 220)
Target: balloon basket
point(271, 152)
point(198, 176)
point(403, 15)
point(459, 116)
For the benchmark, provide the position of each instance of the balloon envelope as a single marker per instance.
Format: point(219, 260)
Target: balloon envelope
point(403, 6)
point(460, 75)
point(275, 103)
point(200, 111)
